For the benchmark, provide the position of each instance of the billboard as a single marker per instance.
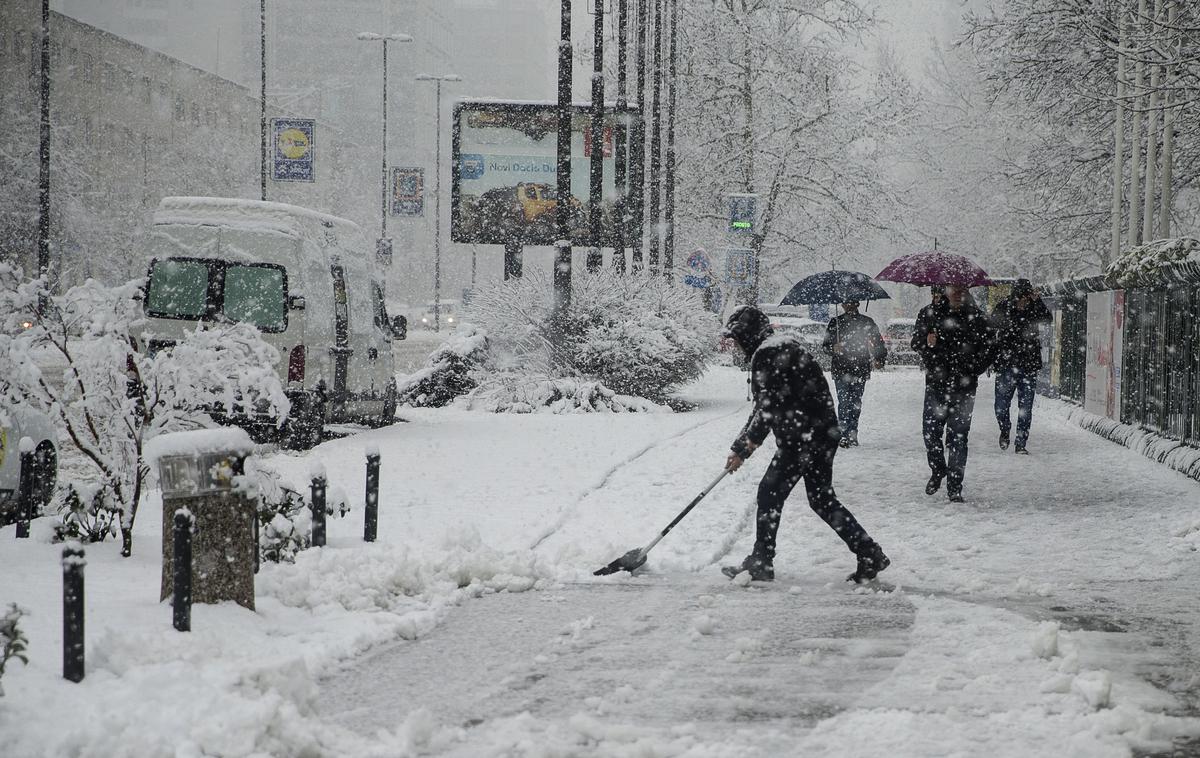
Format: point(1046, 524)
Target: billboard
point(294, 147)
point(408, 191)
point(505, 173)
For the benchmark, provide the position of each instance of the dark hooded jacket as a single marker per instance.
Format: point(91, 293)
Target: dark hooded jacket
point(862, 345)
point(791, 398)
point(1018, 343)
point(963, 350)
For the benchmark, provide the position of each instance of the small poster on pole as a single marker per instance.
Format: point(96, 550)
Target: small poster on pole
point(408, 191)
point(294, 149)
point(739, 266)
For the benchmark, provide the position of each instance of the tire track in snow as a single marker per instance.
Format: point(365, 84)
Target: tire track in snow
point(565, 511)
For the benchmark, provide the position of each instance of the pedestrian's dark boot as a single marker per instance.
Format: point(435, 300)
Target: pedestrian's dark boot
point(1004, 442)
point(1021, 450)
point(870, 562)
point(854, 438)
point(954, 493)
point(844, 441)
point(760, 569)
point(934, 484)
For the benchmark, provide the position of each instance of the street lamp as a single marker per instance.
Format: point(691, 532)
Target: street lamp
point(437, 79)
point(383, 248)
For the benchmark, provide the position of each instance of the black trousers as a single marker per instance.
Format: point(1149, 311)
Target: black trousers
point(947, 414)
point(815, 467)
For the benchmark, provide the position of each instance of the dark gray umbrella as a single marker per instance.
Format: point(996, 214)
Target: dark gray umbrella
point(834, 287)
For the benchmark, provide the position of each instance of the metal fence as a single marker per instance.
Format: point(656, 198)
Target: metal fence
point(1160, 387)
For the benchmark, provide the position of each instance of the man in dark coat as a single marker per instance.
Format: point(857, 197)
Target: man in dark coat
point(954, 341)
point(1018, 358)
point(856, 346)
point(792, 400)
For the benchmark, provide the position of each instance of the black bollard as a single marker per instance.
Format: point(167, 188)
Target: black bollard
point(181, 571)
point(371, 519)
point(318, 511)
point(25, 492)
point(72, 564)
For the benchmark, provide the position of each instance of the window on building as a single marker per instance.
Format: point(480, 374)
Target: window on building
point(147, 88)
point(195, 114)
point(3, 43)
point(180, 108)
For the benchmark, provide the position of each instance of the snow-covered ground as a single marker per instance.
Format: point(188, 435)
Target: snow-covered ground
point(1052, 614)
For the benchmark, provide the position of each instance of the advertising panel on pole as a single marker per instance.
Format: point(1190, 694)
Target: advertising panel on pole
point(699, 270)
point(739, 266)
point(294, 141)
point(1097, 387)
point(505, 167)
point(1118, 351)
point(408, 191)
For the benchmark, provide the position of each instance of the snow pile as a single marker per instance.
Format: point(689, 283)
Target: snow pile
point(198, 442)
point(1139, 263)
point(1170, 452)
point(518, 393)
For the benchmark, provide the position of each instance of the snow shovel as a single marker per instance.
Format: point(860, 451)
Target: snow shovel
point(634, 559)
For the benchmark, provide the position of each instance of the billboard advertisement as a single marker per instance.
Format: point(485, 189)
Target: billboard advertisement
point(293, 149)
point(408, 191)
point(505, 173)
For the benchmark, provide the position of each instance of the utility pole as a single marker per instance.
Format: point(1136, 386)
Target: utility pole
point(621, 141)
point(1118, 147)
point(1168, 159)
point(595, 256)
point(1135, 137)
point(656, 144)
point(637, 168)
point(1149, 227)
point(383, 248)
point(437, 79)
point(43, 249)
point(562, 208)
point(673, 75)
point(262, 96)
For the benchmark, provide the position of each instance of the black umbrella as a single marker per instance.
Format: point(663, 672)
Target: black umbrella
point(834, 287)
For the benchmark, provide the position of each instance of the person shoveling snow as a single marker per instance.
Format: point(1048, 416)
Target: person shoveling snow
point(792, 400)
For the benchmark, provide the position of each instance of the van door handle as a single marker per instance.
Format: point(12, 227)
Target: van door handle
point(373, 353)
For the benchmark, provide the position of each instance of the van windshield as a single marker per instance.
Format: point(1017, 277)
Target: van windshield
point(205, 289)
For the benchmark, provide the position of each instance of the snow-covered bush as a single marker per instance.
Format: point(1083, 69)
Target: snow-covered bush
point(635, 335)
point(450, 373)
point(511, 392)
point(285, 513)
point(86, 514)
point(12, 640)
point(109, 399)
point(1140, 262)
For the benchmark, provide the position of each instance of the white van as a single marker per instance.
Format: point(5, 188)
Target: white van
point(307, 280)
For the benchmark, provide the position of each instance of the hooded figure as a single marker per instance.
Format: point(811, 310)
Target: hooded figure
point(792, 401)
point(1018, 358)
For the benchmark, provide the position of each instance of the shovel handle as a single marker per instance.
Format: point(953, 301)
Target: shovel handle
point(685, 511)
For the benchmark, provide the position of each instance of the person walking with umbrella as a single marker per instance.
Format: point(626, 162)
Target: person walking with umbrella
point(856, 346)
point(954, 341)
point(1018, 359)
point(791, 400)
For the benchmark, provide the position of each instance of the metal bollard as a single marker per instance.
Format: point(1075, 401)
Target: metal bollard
point(25, 489)
point(318, 510)
point(371, 518)
point(73, 563)
point(181, 565)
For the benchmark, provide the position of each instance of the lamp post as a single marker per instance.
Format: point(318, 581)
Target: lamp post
point(383, 248)
point(437, 80)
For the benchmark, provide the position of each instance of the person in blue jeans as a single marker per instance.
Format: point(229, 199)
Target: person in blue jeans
point(854, 342)
point(1018, 359)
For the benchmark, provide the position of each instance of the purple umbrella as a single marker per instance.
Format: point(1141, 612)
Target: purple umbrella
point(935, 267)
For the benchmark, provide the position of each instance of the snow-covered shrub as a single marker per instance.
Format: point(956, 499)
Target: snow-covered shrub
point(1140, 262)
point(86, 514)
point(636, 335)
point(450, 373)
point(12, 640)
point(110, 399)
point(511, 392)
point(285, 514)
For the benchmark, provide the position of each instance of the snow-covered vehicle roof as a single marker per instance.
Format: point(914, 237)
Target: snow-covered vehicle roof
point(257, 215)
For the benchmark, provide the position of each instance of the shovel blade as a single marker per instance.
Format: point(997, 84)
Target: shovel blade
point(630, 562)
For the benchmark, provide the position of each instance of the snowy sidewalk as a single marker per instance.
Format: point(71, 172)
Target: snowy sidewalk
point(1051, 614)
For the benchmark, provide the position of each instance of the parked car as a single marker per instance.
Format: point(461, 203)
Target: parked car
point(15, 423)
point(787, 319)
point(306, 280)
point(897, 335)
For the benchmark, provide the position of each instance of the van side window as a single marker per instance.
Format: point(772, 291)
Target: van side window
point(381, 317)
point(178, 289)
point(257, 295)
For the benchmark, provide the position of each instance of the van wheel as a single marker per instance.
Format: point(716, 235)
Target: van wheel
point(45, 468)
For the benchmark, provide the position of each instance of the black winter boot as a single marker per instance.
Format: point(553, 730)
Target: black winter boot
point(760, 570)
point(870, 562)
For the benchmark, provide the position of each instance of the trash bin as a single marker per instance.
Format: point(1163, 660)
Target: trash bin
point(197, 471)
